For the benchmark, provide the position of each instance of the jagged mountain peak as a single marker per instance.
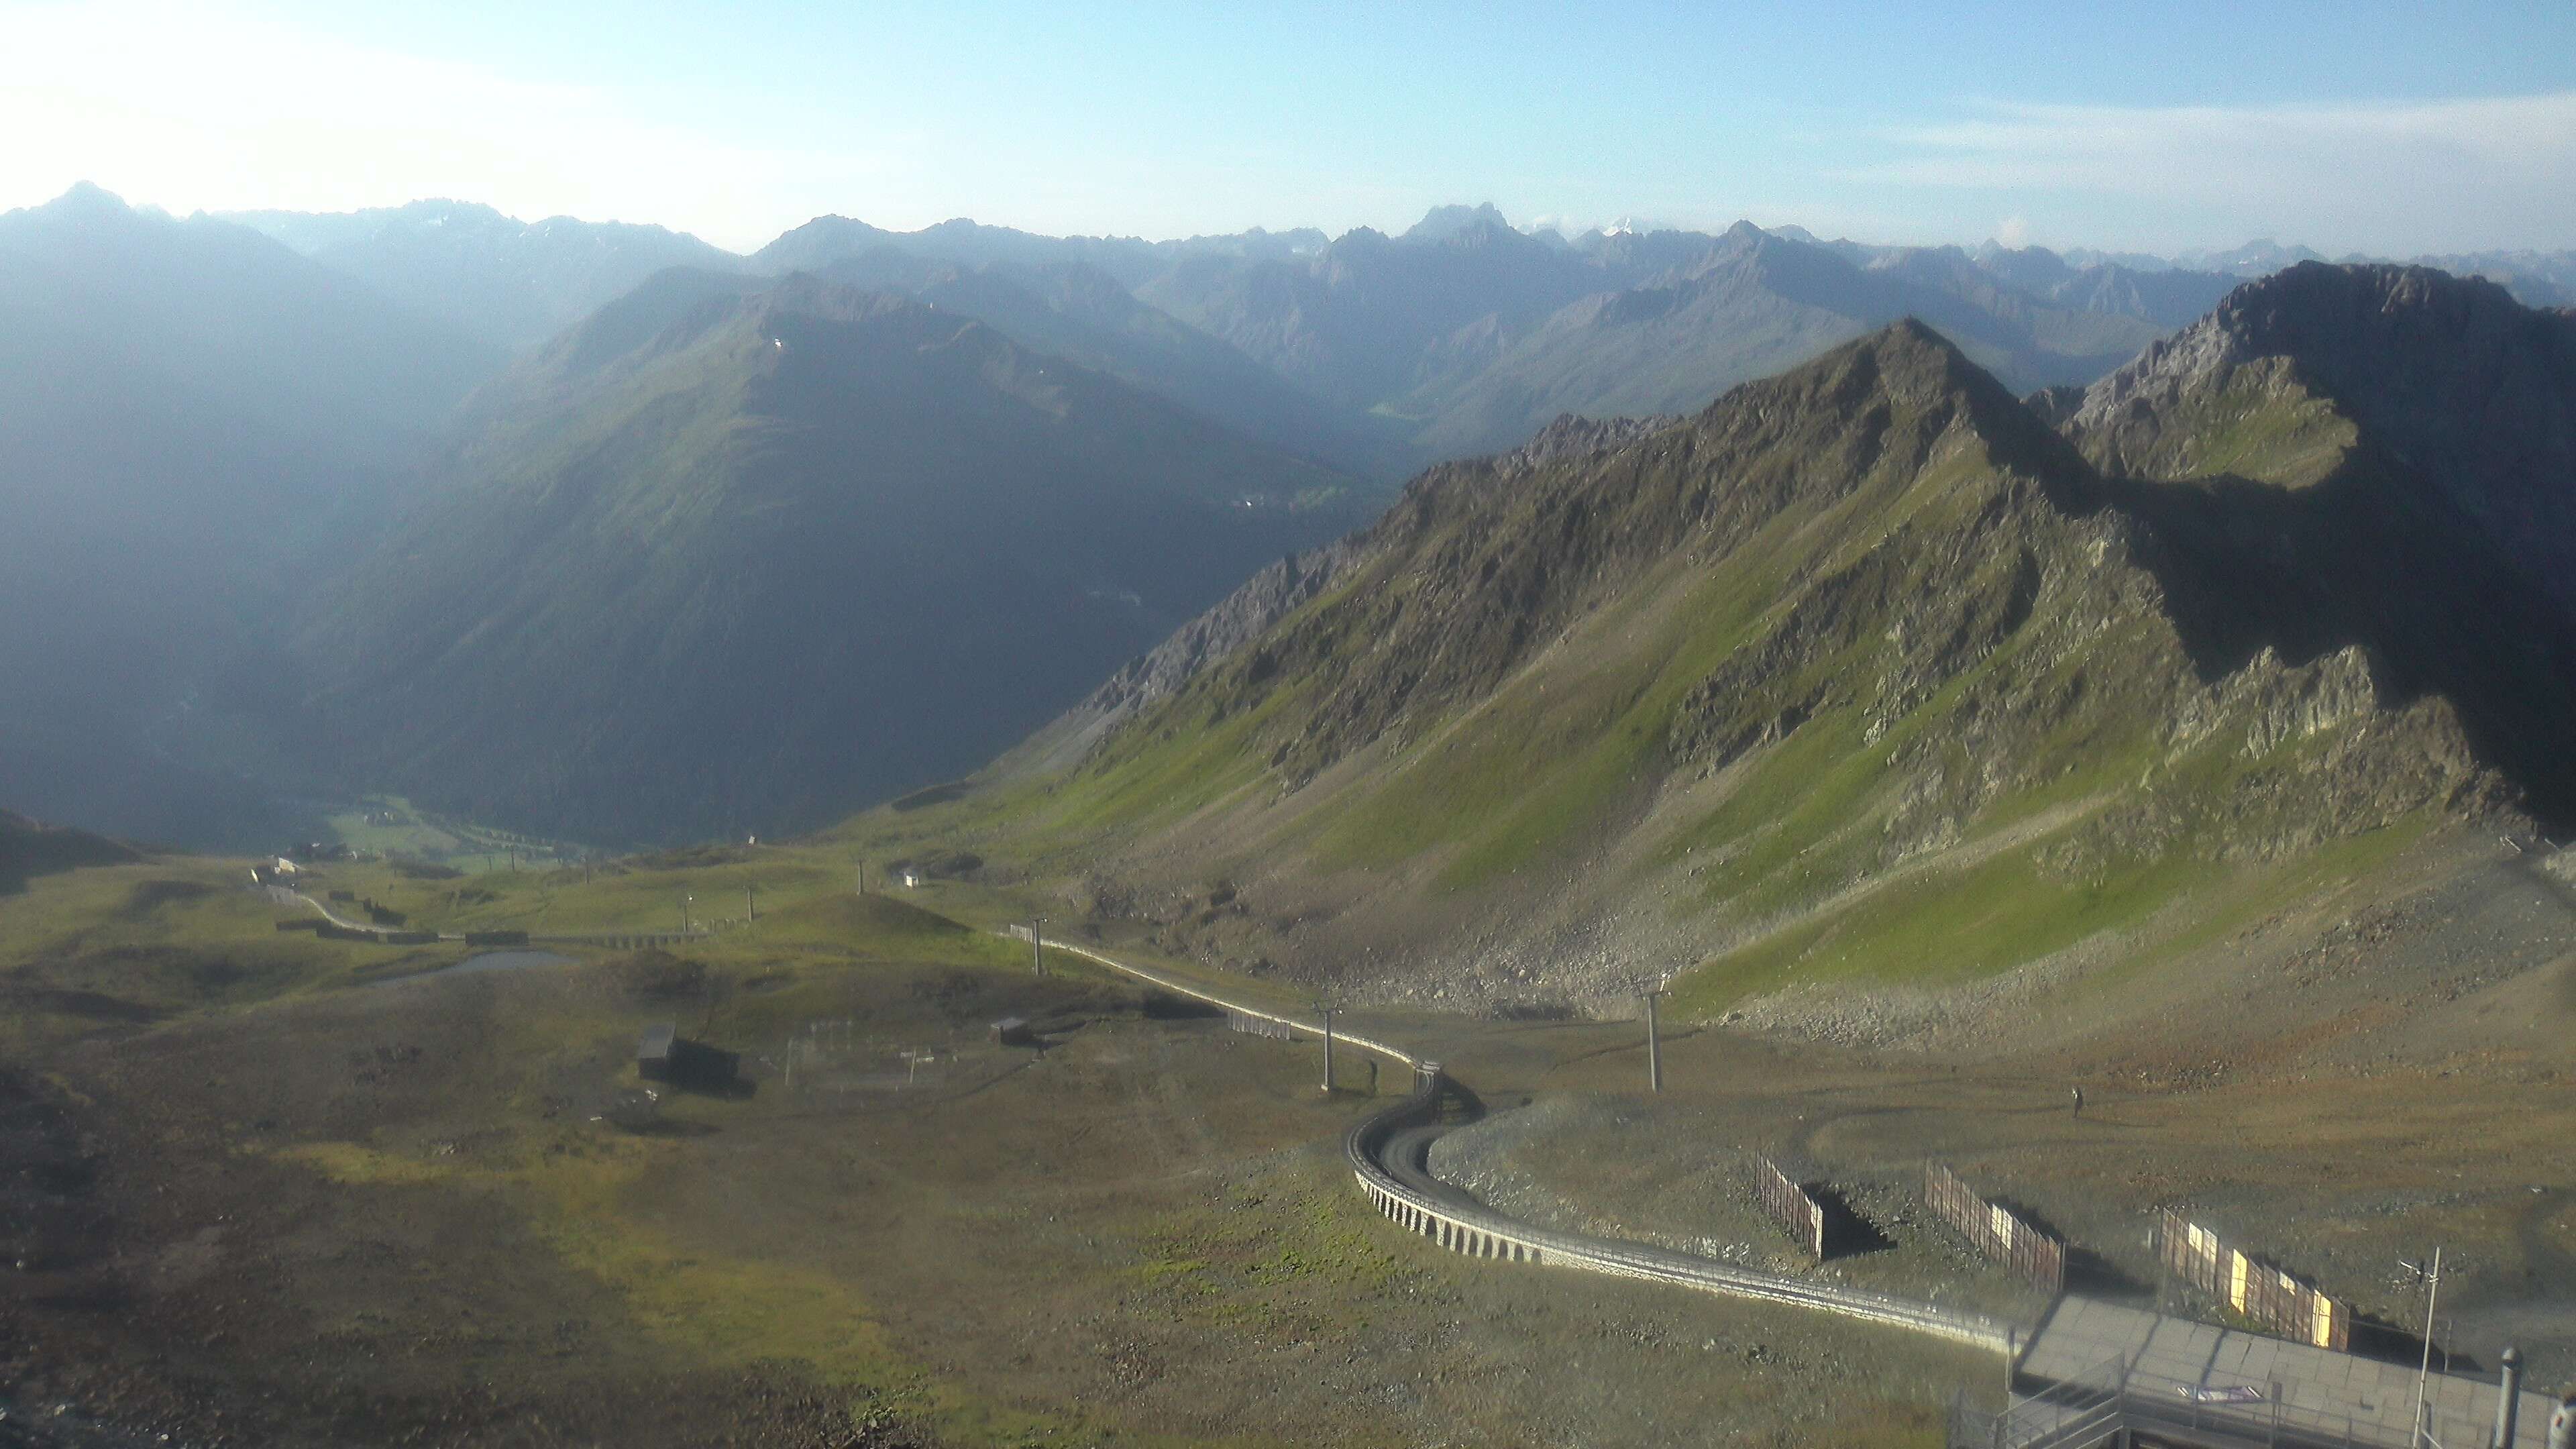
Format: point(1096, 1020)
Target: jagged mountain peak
point(2408, 385)
point(2421, 350)
point(1441, 223)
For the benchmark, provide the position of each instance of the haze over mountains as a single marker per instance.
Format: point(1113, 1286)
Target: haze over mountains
point(195, 426)
point(731, 555)
point(724, 543)
point(512, 283)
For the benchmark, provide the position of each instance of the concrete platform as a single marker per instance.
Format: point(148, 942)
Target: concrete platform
point(2323, 1395)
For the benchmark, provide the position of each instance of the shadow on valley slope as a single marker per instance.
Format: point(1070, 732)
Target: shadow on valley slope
point(2368, 558)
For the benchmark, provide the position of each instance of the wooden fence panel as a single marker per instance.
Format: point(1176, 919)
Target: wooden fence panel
point(1791, 1207)
point(1994, 1230)
point(2262, 1292)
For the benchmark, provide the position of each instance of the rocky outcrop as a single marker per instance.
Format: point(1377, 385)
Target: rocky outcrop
point(2447, 380)
point(1272, 595)
point(1861, 667)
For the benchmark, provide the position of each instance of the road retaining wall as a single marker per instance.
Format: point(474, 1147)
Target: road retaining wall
point(1480, 1232)
point(1483, 1233)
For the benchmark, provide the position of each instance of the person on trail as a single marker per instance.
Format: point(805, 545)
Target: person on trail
point(2079, 1100)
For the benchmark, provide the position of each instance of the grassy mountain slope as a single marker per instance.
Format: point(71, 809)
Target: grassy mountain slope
point(30, 848)
point(1860, 676)
point(730, 559)
point(194, 423)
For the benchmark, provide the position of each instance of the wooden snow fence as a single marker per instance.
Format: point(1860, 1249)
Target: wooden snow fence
point(1995, 1230)
point(1790, 1206)
point(2262, 1292)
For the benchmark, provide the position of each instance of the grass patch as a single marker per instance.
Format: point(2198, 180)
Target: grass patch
point(1943, 928)
point(1556, 751)
point(353, 1165)
point(732, 1312)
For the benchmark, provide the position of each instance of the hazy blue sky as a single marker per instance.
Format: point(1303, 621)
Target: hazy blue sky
point(2359, 125)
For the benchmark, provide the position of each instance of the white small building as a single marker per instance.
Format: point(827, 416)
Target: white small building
point(911, 878)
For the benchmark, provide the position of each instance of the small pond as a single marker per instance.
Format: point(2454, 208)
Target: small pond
point(502, 961)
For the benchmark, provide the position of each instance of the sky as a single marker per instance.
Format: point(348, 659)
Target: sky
point(2383, 128)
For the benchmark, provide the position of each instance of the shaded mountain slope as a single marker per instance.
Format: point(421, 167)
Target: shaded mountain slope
point(194, 424)
point(30, 848)
point(2437, 386)
point(730, 558)
point(1860, 676)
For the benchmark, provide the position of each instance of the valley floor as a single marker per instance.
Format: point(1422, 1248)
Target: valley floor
point(351, 1207)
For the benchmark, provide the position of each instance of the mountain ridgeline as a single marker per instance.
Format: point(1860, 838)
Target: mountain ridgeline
point(543, 529)
point(513, 284)
point(1863, 675)
point(732, 555)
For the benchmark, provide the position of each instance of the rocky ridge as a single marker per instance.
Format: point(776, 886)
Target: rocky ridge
point(1781, 688)
point(2447, 380)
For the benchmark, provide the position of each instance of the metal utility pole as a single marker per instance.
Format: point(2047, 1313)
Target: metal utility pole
point(862, 868)
point(2424, 1373)
point(1037, 945)
point(1654, 1045)
point(684, 913)
point(2508, 1399)
point(1326, 1013)
point(750, 907)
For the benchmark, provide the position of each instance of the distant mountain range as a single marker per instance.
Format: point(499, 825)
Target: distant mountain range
point(1462, 334)
point(296, 504)
point(1755, 303)
point(511, 283)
